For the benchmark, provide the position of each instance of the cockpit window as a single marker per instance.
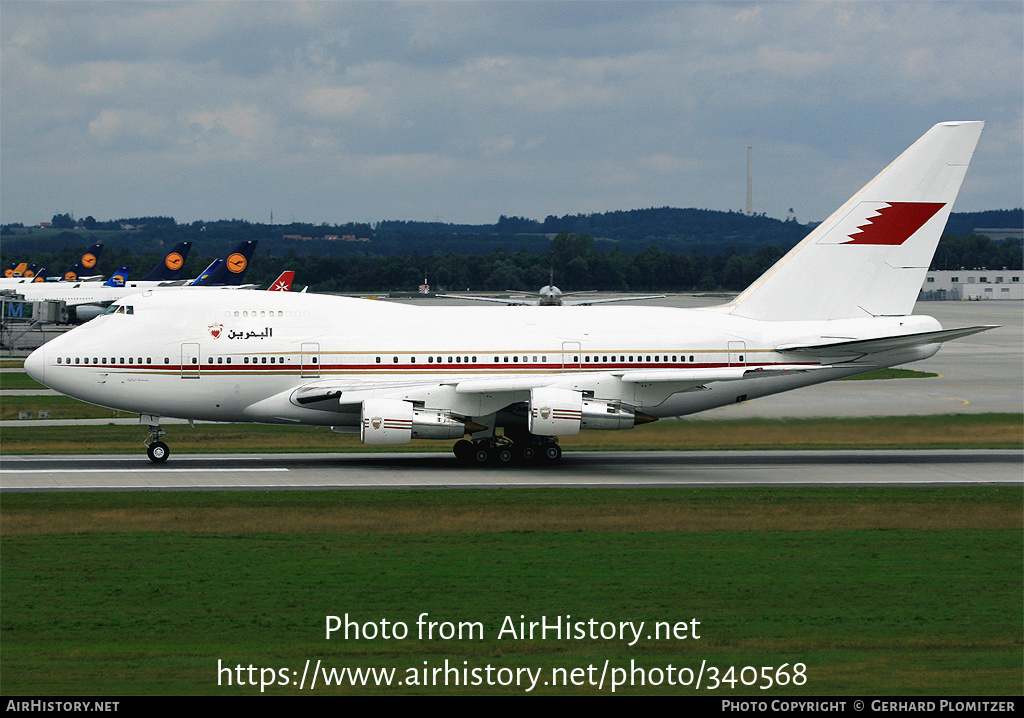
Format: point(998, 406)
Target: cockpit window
point(119, 309)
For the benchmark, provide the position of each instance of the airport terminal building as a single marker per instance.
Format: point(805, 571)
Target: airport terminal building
point(973, 284)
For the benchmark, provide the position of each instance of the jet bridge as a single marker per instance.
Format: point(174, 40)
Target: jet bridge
point(29, 324)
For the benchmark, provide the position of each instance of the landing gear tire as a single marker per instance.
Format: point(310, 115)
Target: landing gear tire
point(503, 455)
point(158, 452)
point(505, 452)
point(480, 455)
point(528, 454)
point(552, 452)
point(463, 449)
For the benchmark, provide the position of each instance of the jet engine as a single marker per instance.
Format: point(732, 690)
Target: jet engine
point(388, 422)
point(563, 412)
point(85, 312)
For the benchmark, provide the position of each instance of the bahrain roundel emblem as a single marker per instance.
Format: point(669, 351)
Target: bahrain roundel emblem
point(236, 263)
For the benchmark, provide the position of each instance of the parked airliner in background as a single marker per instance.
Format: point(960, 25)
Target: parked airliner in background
point(87, 300)
point(85, 263)
point(283, 283)
point(836, 305)
point(32, 273)
point(550, 296)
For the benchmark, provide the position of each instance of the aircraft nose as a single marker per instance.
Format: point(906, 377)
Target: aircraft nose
point(35, 364)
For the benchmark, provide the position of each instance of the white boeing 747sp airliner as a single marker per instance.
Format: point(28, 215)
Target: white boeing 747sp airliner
point(836, 305)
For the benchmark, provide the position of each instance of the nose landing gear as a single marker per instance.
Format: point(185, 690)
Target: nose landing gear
point(156, 449)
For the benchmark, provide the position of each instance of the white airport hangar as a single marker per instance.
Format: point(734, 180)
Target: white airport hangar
point(973, 284)
point(978, 283)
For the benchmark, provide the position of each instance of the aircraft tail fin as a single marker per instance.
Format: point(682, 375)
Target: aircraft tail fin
point(283, 283)
point(168, 269)
point(231, 270)
point(201, 279)
point(85, 264)
point(118, 278)
point(871, 256)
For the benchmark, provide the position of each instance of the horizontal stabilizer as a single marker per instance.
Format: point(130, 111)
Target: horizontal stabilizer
point(842, 347)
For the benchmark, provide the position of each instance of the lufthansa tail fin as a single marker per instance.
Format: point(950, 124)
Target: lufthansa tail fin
point(230, 272)
point(85, 264)
point(283, 283)
point(200, 281)
point(871, 256)
point(168, 269)
point(118, 278)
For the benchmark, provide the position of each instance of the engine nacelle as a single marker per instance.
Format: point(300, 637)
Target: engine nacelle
point(555, 412)
point(389, 422)
point(85, 312)
point(563, 412)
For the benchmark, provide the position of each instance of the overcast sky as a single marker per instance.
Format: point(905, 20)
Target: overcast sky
point(463, 111)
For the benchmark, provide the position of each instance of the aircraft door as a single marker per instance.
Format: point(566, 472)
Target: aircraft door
point(189, 361)
point(572, 356)
point(309, 360)
point(737, 353)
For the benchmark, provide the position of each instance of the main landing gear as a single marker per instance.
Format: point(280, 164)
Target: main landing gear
point(156, 449)
point(501, 450)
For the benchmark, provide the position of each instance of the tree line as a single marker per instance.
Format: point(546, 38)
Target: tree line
point(578, 261)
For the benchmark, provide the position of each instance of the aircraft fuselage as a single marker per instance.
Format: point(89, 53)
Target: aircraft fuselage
point(230, 356)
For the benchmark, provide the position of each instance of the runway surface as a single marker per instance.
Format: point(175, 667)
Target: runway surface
point(577, 469)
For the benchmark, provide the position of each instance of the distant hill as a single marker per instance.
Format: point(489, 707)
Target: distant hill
point(964, 223)
point(672, 230)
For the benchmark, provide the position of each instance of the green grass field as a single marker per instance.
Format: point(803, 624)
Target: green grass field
point(873, 591)
point(880, 591)
point(962, 431)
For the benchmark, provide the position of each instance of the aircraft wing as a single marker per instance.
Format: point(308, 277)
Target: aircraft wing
point(346, 396)
point(507, 301)
point(609, 300)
